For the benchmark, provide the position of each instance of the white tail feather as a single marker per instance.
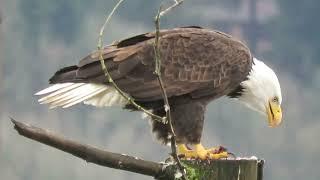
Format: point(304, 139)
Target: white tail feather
point(58, 92)
point(72, 97)
point(80, 99)
point(59, 95)
point(53, 88)
point(111, 98)
point(68, 94)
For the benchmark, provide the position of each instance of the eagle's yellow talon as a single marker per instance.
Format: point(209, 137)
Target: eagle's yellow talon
point(201, 153)
point(220, 155)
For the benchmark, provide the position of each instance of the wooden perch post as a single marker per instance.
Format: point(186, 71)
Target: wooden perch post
point(235, 169)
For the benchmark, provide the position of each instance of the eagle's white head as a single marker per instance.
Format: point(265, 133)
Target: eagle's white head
point(262, 92)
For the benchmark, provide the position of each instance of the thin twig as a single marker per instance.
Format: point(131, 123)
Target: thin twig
point(158, 73)
point(108, 76)
point(165, 96)
point(177, 3)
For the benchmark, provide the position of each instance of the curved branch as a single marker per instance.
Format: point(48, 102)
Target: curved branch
point(108, 76)
point(176, 3)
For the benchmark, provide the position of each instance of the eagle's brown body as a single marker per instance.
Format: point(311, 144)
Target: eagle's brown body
point(197, 66)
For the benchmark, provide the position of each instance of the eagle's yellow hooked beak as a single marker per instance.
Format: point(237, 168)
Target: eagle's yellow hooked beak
point(274, 113)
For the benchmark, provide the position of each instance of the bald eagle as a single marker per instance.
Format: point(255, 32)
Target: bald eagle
point(197, 65)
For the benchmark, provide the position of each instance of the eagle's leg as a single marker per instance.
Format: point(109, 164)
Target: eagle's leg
point(200, 152)
point(187, 117)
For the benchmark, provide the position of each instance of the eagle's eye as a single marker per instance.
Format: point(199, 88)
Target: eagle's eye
point(275, 99)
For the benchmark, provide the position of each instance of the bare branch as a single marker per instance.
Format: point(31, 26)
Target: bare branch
point(89, 153)
point(177, 3)
point(164, 94)
point(108, 76)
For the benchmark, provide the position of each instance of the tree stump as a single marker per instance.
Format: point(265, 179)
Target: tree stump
point(237, 169)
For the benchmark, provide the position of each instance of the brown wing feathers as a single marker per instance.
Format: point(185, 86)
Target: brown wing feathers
point(118, 58)
point(192, 59)
point(89, 68)
point(68, 73)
